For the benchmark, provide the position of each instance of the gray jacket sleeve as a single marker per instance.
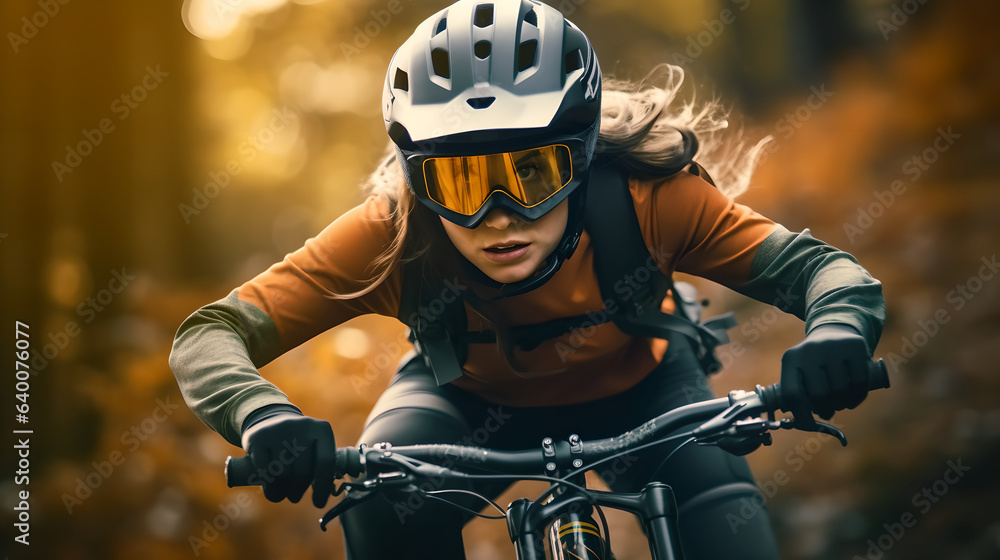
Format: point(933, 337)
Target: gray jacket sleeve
point(215, 356)
point(817, 283)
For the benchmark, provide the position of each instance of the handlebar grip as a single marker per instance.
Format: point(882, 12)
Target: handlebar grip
point(878, 378)
point(878, 375)
point(241, 472)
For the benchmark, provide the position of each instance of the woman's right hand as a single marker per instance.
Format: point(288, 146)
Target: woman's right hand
point(290, 452)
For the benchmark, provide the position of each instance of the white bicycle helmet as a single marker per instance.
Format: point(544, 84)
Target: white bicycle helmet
point(496, 104)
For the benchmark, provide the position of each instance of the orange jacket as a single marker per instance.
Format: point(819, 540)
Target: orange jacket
point(689, 225)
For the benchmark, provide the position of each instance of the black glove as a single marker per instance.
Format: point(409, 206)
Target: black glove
point(826, 372)
point(289, 452)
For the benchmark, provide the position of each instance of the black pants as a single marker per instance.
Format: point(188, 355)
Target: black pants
point(710, 485)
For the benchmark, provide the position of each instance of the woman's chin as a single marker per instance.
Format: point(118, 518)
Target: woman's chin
point(507, 278)
point(508, 274)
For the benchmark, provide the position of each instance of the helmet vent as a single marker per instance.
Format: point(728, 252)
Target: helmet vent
point(481, 102)
point(441, 26)
point(439, 59)
point(401, 80)
point(526, 55)
point(574, 61)
point(484, 15)
point(531, 17)
point(482, 49)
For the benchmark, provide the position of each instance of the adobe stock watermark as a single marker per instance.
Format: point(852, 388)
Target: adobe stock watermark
point(696, 44)
point(31, 25)
point(923, 501)
point(231, 510)
point(618, 467)
point(795, 460)
point(87, 311)
point(788, 125)
point(958, 298)
point(278, 293)
point(627, 287)
point(381, 18)
point(248, 150)
point(755, 327)
point(752, 329)
point(364, 34)
point(122, 106)
point(913, 168)
point(898, 16)
point(429, 312)
point(131, 439)
point(452, 118)
point(609, 475)
point(495, 419)
point(455, 115)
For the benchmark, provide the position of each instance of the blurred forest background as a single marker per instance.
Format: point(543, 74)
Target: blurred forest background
point(154, 155)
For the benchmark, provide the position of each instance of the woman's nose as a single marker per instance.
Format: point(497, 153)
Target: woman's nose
point(498, 218)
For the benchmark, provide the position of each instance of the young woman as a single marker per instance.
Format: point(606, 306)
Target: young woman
point(497, 114)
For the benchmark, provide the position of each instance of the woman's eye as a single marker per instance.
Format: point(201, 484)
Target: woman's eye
point(527, 172)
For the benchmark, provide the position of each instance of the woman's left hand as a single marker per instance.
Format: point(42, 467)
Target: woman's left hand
point(826, 372)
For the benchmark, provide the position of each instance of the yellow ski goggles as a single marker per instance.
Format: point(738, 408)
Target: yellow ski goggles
point(464, 184)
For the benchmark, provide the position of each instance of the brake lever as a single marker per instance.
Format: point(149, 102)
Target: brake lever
point(363, 491)
point(349, 501)
point(819, 427)
point(758, 429)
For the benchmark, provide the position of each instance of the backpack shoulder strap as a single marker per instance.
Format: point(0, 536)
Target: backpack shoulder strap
point(409, 297)
point(434, 324)
point(626, 271)
point(630, 276)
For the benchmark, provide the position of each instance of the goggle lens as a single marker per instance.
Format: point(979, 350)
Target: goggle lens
point(530, 177)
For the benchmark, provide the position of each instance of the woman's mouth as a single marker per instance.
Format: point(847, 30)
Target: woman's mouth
point(503, 252)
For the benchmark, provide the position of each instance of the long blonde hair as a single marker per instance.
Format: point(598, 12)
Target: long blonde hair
point(638, 119)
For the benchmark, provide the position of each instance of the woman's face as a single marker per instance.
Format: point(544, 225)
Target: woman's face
point(506, 248)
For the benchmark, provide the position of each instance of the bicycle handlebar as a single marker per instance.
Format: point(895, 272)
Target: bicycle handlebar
point(720, 414)
point(878, 378)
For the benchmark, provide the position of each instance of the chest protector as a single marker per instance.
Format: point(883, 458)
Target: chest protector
point(436, 314)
